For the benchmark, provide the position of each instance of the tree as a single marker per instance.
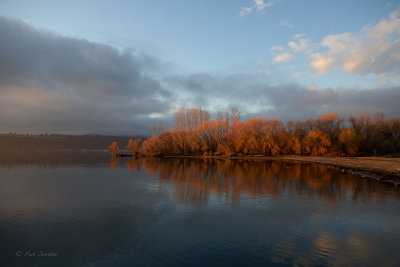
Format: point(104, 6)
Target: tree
point(152, 146)
point(317, 143)
point(331, 125)
point(194, 133)
point(190, 118)
point(114, 149)
point(349, 140)
point(134, 145)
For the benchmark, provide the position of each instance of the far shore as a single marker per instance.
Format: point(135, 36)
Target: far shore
point(383, 169)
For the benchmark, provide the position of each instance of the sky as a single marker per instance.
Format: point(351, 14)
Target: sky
point(118, 67)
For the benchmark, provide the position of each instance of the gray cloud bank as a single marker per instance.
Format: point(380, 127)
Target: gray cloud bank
point(51, 83)
point(54, 83)
point(255, 97)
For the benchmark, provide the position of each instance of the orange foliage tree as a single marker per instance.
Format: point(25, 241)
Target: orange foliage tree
point(194, 133)
point(114, 149)
point(317, 143)
point(349, 141)
point(134, 145)
point(152, 146)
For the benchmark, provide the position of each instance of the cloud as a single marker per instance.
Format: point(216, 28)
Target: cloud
point(321, 63)
point(276, 48)
point(302, 45)
point(258, 6)
point(245, 11)
point(50, 83)
point(283, 57)
point(296, 74)
point(265, 71)
point(286, 23)
point(375, 49)
point(291, 101)
point(298, 35)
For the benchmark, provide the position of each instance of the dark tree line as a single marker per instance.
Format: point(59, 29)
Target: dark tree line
point(13, 141)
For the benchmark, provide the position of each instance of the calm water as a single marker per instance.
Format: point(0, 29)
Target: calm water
point(83, 209)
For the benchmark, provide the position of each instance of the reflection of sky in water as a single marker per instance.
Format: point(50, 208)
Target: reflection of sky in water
point(157, 212)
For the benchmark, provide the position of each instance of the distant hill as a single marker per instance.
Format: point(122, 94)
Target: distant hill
point(58, 141)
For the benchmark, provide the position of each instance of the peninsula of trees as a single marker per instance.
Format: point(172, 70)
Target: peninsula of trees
point(194, 133)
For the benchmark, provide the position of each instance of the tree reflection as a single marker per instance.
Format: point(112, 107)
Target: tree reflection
point(194, 180)
point(113, 162)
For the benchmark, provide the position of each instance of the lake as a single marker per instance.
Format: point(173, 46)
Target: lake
point(87, 209)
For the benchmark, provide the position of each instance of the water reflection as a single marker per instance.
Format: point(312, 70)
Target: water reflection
point(113, 162)
point(193, 212)
point(195, 180)
point(52, 158)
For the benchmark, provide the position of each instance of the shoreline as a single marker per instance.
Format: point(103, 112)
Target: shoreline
point(381, 169)
point(378, 168)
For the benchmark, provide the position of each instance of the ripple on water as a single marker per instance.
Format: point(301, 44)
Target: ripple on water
point(303, 215)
